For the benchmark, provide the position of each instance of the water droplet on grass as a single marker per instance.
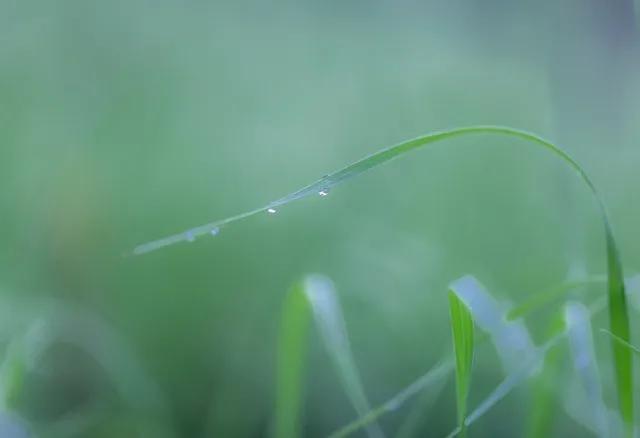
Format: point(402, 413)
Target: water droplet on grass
point(189, 236)
point(272, 210)
point(323, 192)
point(214, 231)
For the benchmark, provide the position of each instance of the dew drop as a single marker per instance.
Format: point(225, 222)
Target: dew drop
point(272, 210)
point(214, 231)
point(189, 236)
point(323, 192)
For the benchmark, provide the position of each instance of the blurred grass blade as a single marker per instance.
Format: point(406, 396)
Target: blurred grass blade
point(539, 300)
point(618, 312)
point(434, 377)
point(578, 324)
point(421, 410)
point(544, 406)
point(619, 326)
point(328, 316)
point(525, 370)
point(511, 338)
point(292, 346)
point(463, 345)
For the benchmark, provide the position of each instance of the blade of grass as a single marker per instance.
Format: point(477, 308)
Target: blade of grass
point(622, 342)
point(543, 386)
point(463, 345)
point(526, 369)
point(436, 375)
point(539, 300)
point(421, 410)
point(327, 313)
point(292, 345)
point(556, 330)
point(618, 312)
point(511, 338)
point(584, 361)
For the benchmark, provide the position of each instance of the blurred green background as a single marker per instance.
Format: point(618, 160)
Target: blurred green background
point(124, 121)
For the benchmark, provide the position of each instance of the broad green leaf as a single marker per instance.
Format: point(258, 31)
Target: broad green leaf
point(463, 343)
point(618, 313)
point(292, 346)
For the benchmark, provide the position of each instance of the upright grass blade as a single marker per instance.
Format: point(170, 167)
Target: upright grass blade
point(294, 326)
point(420, 413)
point(328, 317)
point(463, 343)
point(525, 370)
point(314, 297)
point(618, 314)
point(537, 301)
point(544, 407)
point(584, 361)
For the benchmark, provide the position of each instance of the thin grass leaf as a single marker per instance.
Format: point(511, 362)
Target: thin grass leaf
point(618, 312)
point(622, 342)
point(463, 345)
point(526, 369)
point(330, 323)
point(437, 376)
point(578, 323)
point(434, 377)
point(540, 300)
point(292, 346)
point(543, 409)
point(511, 338)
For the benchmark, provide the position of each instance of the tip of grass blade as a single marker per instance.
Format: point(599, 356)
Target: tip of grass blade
point(463, 347)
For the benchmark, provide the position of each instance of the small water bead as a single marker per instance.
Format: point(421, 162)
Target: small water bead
point(214, 231)
point(272, 211)
point(323, 192)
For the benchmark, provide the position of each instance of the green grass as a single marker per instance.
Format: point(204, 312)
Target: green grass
point(314, 297)
point(617, 305)
point(463, 346)
point(622, 342)
point(294, 325)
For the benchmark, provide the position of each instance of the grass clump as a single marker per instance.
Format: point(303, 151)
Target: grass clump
point(329, 320)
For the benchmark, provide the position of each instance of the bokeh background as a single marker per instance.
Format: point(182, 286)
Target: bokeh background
point(124, 121)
